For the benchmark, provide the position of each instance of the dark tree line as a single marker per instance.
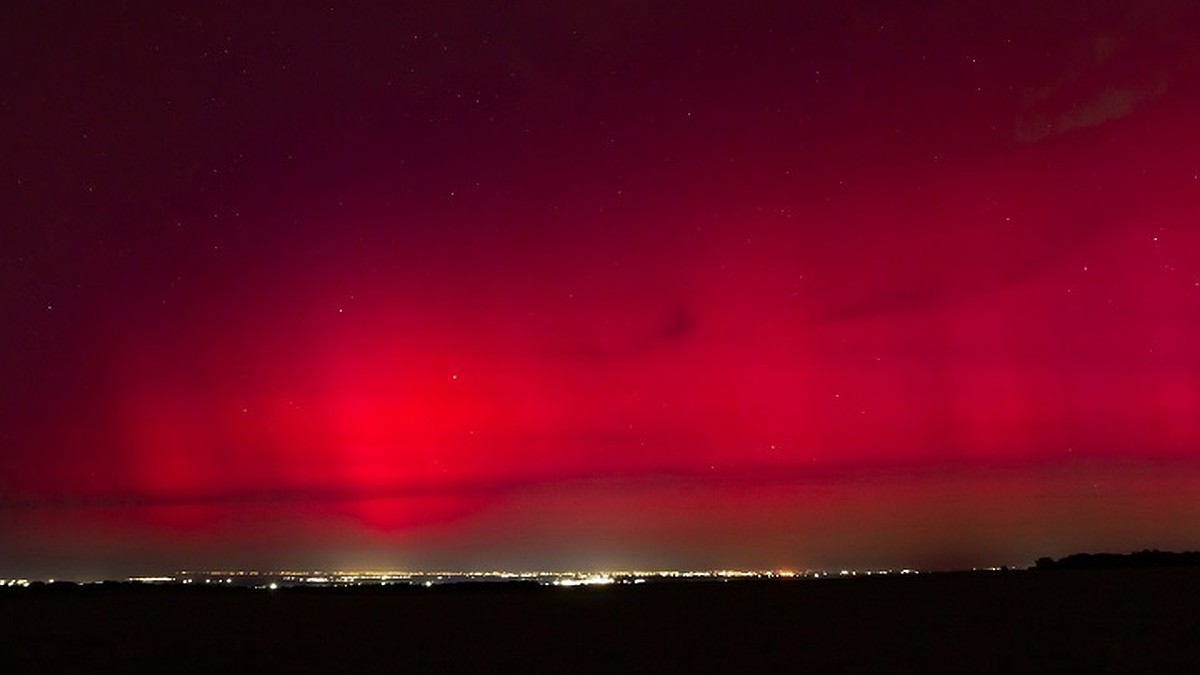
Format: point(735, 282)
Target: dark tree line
point(1149, 558)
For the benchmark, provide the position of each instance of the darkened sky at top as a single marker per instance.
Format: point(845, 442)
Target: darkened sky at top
point(544, 285)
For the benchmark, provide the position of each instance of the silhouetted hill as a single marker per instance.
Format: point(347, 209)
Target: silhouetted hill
point(1141, 559)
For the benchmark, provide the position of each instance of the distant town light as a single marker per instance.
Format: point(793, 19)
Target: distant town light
point(593, 580)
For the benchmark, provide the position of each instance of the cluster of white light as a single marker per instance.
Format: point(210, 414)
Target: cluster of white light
point(153, 580)
point(14, 582)
point(223, 573)
point(279, 579)
point(591, 580)
point(859, 573)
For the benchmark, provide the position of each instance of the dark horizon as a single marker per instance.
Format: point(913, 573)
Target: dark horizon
point(334, 579)
point(1125, 620)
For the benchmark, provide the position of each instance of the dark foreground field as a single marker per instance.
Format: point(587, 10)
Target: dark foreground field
point(1123, 621)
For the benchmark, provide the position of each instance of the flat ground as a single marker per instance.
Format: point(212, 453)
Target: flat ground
point(1120, 621)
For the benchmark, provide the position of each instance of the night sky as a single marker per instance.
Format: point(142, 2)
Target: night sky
point(637, 284)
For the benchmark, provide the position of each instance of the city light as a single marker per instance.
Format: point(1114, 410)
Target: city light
point(282, 579)
point(591, 580)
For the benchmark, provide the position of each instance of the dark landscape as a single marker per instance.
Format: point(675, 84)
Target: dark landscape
point(1093, 621)
point(611, 336)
